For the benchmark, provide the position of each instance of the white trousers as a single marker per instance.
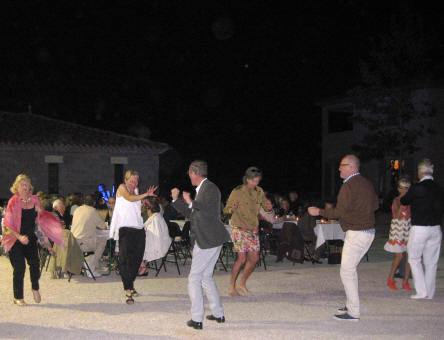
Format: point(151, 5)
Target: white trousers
point(201, 278)
point(356, 245)
point(423, 249)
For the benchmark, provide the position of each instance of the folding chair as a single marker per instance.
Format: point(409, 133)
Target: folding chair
point(171, 251)
point(85, 266)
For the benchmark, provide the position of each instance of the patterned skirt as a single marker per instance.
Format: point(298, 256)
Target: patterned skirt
point(244, 241)
point(399, 236)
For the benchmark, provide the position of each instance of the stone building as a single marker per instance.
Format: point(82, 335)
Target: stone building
point(62, 157)
point(340, 132)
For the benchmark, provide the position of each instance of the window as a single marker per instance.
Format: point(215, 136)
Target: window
point(118, 174)
point(340, 121)
point(53, 178)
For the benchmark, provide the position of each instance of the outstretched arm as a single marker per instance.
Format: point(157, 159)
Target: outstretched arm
point(122, 191)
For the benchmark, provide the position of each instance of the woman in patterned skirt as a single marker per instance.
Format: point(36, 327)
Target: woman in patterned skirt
point(243, 206)
point(399, 235)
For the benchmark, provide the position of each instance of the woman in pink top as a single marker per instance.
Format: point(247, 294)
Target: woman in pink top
point(26, 224)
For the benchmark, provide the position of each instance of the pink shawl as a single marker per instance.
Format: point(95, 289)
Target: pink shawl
point(47, 223)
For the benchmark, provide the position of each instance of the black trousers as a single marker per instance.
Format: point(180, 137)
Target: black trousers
point(17, 256)
point(131, 250)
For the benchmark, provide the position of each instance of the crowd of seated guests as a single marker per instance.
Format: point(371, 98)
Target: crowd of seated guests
point(291, 241)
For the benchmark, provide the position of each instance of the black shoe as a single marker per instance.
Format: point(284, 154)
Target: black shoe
point(218, 320)
point(194, 324)
point(345, 317)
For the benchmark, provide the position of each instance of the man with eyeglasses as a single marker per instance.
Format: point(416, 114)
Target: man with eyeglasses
point(356, 205)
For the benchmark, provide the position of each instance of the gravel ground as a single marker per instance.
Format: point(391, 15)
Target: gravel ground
point(289, 302)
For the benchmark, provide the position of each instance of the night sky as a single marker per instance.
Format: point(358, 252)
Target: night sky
point(232, 82)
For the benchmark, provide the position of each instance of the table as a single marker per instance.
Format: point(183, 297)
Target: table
point(279, 225)
point(180, 223)
point(328, 231)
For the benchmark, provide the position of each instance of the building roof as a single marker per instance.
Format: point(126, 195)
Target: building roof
point(28, 128)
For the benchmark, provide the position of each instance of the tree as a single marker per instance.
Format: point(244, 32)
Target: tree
point(394, 119)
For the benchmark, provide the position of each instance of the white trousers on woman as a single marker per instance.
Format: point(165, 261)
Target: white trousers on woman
point(201, 278)
point(356, 245)
point(423, 248)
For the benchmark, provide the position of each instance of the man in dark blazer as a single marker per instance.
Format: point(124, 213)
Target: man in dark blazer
point(208, 234)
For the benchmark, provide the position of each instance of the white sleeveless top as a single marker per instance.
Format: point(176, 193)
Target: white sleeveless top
point(126, 214)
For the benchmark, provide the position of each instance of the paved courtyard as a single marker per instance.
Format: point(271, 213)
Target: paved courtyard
point(289, 302)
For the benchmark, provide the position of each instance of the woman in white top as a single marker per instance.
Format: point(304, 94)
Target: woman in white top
point(158, 239)
point(127, 228)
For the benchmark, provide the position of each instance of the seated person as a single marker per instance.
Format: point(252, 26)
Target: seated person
point(158, 240)
point(169, 213)
point(267, 214)
point(294, 201)
point(102, 208)
point(89, 230)
point(307, 223)
point(58, 207)
point(284, 208)
point(267, 217)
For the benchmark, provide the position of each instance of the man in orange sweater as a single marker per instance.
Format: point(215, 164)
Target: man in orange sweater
point(355, 209)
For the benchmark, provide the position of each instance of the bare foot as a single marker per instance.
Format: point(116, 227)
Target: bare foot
point(233, 292)
point(244, 291)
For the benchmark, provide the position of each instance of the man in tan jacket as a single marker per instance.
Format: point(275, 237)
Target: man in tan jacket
point(89, 230)
point(355, 209)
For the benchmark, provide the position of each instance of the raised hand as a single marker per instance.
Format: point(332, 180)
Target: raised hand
point(187, 197)
point(151, 190)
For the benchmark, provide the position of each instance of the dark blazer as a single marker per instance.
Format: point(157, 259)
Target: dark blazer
point(426, 203)
point(207, 228)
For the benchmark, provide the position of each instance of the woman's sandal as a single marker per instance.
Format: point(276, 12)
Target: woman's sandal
point(129, 299)
point(143, 270)
point(19, 302)
point(134, 293)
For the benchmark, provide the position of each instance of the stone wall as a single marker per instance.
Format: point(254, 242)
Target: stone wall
point(81, 170)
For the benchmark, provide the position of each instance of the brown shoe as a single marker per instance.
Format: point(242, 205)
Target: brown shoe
point(37, 297)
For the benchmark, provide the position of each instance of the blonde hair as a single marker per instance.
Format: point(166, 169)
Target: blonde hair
point(129, 173)
point(18, 179)
point(404, 183)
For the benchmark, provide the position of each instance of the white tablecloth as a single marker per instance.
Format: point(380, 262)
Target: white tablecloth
point(279, 225)
point(180, 223)
point(328, 231)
